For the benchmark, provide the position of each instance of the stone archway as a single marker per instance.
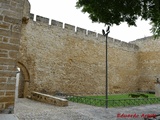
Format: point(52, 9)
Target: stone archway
point(23, 81)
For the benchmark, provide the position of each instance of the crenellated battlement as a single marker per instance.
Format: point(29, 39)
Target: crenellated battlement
point(69, 27)
point(143, 39)
point(83, 32)
point(42, 19)
point(122, 44)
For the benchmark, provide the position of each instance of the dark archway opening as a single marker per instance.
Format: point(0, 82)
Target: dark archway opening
point(22, 81)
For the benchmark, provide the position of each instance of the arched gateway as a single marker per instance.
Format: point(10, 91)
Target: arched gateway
point(23, 81)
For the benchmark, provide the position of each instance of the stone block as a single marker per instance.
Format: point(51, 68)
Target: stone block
point(9, 47)
point(9, 33)
point(11, 14)
point(42, 19)
point(1, 17)
point(11, 86)
point(14, 9)
point(3, 55)
point(4, 26)
point(6, 61)
point(14, 41)
point(69, 27)
point(49, 99)
point(12, 68)
point(3, 51)
point(57, 23)
point(13, 54)
point(2, 86)
point(3, 67)
point(81, 30)
point(3, 79)
point(13, 4)
point(16, 28)
point(7, 74)
point(91, 33)
point(2, 93)
point(31, 16)
point(7, 99)
point(5, 1)
point(5, 32)
point(18, 1)
point(12, 20)
point(5, 39)
point(10, 93)
point(15, 35)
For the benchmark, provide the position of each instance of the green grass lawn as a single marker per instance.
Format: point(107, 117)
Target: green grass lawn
point(119, 100)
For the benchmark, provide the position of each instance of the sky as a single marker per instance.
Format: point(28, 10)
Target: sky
point(66, 12)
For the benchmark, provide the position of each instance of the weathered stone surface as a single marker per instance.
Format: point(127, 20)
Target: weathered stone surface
point(10, 32)
point(69, 63)
point(5, 61)
point(4, 26)
point(49, 99)
point(9, 47)
point(7, 99)
point(148, 62)
point(57, 60)
point(3, 55)
point(3, 80)
point(10, 93)
point(13, 54)
point(12, 20)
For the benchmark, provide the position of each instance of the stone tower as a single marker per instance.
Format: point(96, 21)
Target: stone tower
point(11, 14)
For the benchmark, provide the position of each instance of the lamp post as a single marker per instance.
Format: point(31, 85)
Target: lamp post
point(106, 35)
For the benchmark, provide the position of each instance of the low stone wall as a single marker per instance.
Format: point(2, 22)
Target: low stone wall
point(49, 99)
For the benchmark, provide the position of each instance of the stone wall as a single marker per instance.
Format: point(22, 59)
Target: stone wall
point(68, 61)
point(11, 12)
point(123, 72)
point(148, 62)
point(61, 58)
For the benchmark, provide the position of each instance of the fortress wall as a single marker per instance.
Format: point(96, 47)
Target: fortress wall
point(123, 72)
point(148, 62)
point(62, 60)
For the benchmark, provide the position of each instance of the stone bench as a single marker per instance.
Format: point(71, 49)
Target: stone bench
point(49, 99)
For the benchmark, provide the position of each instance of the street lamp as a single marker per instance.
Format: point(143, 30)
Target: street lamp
point(106, 35)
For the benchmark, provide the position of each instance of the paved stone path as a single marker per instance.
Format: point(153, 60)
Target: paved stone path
point(26, 109)
point(8, 117)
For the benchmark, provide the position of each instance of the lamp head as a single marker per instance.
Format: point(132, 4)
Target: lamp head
point(103, 32)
